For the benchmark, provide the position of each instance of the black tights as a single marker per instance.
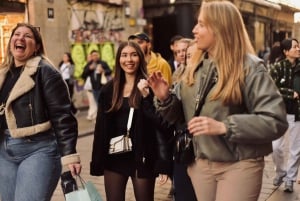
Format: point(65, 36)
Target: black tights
point(115, 187)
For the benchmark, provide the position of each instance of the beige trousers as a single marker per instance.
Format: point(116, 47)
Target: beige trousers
point(220, 181)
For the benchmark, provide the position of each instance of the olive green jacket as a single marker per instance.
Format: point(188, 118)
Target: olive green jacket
point(251, 126)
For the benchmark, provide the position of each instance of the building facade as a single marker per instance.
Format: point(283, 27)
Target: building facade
point(78, 26)
point(266, 21)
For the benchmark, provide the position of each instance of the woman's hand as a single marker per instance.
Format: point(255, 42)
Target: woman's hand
point(206, 126)
point(75, 168)
point(143, 86)
point(159, 86)
point(162, 179)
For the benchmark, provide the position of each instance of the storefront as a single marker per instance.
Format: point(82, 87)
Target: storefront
point(10, 14)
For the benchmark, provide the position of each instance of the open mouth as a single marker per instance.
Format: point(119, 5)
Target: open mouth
point(20, 46)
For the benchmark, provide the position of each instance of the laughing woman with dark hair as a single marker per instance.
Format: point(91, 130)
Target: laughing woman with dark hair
point(38, 132)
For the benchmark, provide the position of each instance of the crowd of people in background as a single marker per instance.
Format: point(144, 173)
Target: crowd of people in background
point(241, 120)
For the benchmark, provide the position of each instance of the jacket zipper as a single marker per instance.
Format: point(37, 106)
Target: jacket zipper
point(31, 115)
point(31, 109)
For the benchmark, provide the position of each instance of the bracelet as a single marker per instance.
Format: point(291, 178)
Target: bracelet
point(165, 102)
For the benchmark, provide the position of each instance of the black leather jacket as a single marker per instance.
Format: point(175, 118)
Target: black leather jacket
point(39, 103)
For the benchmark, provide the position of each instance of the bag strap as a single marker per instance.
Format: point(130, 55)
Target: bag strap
point(210, 81)
point(82, 182)
point(129, 122)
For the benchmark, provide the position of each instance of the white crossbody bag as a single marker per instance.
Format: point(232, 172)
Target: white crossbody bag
point(122, 143)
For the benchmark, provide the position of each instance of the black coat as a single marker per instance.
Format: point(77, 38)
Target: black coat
point(40, 103)
point(171, 63)
point(287, 79)
point(151, 141)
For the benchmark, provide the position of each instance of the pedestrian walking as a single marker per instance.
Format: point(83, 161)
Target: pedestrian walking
point(173, 62)
point(92, 107)
point(180, 52)
point(96, 69)
point(241, 115)
point(286, 74)
point(66, 68)
point(190, 55)
point(38, 132)
point(155, 62)
point(125, 111)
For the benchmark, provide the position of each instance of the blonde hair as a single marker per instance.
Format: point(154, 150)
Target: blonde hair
point(232, 44)
point(191, 67)
point(179, 73)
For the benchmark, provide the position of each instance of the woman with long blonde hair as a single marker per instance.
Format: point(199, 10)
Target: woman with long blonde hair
point(241, 114)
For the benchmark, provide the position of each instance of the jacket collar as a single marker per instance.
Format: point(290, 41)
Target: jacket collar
point(25, 82)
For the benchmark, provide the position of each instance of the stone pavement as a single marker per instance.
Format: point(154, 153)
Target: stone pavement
point(84, 147)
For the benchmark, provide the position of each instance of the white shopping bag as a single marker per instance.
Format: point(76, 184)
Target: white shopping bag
point(78, 195)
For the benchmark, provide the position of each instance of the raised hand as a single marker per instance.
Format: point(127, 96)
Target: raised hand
point(143, 86)
point(159, 86)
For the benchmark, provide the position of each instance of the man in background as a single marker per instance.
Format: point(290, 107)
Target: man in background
point(173, 61)
point(155, 62)
point(94, 69)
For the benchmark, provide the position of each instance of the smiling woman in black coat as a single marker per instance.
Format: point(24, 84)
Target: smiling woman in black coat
point(150, 155)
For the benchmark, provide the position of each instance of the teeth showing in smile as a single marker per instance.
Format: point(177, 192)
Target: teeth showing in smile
point(20, 46)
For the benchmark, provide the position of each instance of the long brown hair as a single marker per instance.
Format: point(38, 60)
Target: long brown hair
point(9, 59)
point(231, 47)
point(119, 78)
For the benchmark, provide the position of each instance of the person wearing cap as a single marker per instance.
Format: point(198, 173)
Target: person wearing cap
point(155, 62)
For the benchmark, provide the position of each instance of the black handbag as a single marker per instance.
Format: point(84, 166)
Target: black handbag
point(184, 150)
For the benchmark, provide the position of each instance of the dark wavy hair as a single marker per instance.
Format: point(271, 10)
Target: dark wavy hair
point(286, 45)
point(70, 59)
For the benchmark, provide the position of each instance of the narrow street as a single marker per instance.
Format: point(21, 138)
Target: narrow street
point(84, 147)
